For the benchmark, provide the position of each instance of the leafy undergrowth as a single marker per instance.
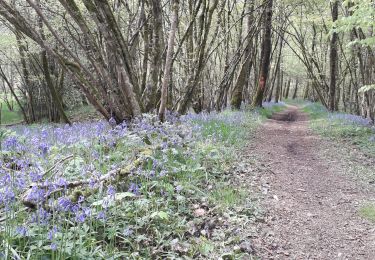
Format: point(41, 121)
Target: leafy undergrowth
point(142, 190)
point(342, 127)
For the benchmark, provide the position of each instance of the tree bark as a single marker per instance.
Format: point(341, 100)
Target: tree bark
point(265, 54)
point(243, 76)
point(168, 62)
point(333, 59)
point(295, 90)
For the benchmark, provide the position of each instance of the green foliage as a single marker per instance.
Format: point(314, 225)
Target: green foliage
point(362, 16)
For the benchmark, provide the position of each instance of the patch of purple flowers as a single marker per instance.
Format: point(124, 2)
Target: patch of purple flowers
point(349, 119)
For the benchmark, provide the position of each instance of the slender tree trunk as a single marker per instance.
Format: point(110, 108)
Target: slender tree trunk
point(278, 86)
point(333, 59)
point(287, 88)
point(57, 100)
point(193, 81)
point(306, 91)
point(168, 62)
point(265, 54)
point(243, 76)
point(295, 90)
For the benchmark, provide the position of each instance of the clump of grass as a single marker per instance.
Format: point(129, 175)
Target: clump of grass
point(227, 196)
point(368, 212)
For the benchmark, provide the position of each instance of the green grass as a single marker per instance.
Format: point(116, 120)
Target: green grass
point(81, 112)
point(295, 102)
point(10, 117)
point(368, 212)
point(227, 196)
point(315, 110)
point(267, 112)
point(331, 126)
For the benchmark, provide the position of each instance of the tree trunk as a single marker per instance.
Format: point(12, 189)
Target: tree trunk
point(333, 59)
point(295, 90)
point(243, 76)
point(192, 82)
point(287, 88)
point(265, 54)
point(306, 91)
point(168, 62)
point(57, 100)
point(278, 86)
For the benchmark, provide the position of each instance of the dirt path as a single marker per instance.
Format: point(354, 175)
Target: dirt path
point(311, 206)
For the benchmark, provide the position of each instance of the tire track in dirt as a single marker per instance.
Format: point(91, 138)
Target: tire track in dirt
point(311, 207)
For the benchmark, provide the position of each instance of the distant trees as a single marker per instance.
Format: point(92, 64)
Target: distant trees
point(130, 57)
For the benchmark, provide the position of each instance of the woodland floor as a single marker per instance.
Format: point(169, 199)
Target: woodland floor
point(311, 205)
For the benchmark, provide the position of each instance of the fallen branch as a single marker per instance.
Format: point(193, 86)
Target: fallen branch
point(55, 165)
point(30, 202)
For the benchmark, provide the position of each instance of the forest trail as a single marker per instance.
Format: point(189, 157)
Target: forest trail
point(311, 206)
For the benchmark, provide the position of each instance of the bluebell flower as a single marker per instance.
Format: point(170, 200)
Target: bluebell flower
point(51, 233)
point(64, 204)
point(7, 196)
point(21, 231)
point(81, 199)
point(112, 121)
point(80, 218)
point(162, 173)
point(111, 191)
point(35, 177)
point(101, 215)
point(61, 182)
point(86, 211)
point(92, 183)
point(36, 195)
point(20, 182)
point(10, 143)
point(134, 188)
point(44, 148)
point(53, 246)
point(128, 232)
point(41, 216)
